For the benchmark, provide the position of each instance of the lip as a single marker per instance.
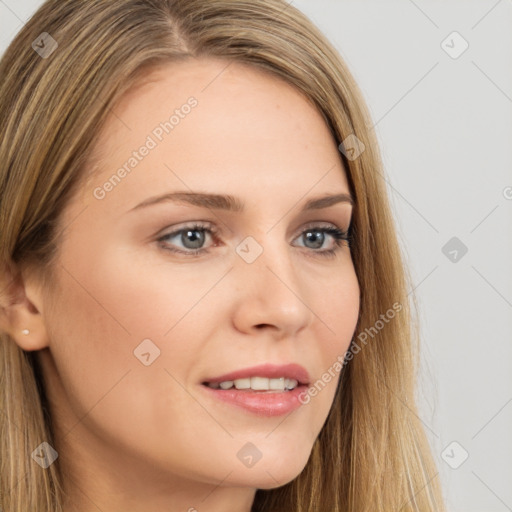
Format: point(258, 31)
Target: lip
point(271, 371)
point(262, 403)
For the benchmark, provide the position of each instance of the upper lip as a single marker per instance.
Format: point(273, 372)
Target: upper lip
point(272, 371)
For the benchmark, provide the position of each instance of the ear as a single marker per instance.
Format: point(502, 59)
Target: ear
point(21, 303)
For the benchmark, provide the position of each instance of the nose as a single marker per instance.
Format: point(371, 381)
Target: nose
point(270, 294)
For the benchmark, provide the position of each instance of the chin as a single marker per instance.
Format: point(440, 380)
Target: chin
point(271, 473)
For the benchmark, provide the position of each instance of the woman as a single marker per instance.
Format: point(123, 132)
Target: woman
point(203, 300)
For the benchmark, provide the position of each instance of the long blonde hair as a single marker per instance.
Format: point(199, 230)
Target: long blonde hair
point(372, 454)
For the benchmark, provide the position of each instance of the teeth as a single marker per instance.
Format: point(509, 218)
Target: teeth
point(290, 383)
point(257, 384)
point(260, 383)
point(242, 383)
point(277, 383)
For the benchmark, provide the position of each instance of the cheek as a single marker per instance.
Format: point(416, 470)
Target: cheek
point(338, 312)
point(121, 318)
point(130, 294)
point(102, 315)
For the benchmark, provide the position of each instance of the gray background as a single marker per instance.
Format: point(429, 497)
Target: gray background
point(445, 128)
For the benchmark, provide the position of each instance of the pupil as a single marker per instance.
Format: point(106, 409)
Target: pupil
point(196, 241)
point(316, 237)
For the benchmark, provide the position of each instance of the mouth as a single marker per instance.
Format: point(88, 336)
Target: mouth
point(256, 384)
point(262, 378)
point(265, 390)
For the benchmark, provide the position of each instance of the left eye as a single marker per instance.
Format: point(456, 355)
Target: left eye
point(193, 237)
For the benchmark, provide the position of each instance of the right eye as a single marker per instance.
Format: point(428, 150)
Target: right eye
point(191, 237)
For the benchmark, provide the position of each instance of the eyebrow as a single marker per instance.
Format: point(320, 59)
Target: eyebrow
point(233, 204)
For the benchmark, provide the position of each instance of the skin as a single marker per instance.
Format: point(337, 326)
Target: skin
point(135, 437)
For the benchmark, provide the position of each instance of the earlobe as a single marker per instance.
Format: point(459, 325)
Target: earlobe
point(21, 319)
point(25, 327)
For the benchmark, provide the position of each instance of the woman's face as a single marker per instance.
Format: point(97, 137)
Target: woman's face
point(154, 297)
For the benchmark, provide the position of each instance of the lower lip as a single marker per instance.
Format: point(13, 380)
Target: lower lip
point(262, 403)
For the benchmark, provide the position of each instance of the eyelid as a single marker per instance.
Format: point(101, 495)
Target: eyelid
point(202, 224)
point(318, 224)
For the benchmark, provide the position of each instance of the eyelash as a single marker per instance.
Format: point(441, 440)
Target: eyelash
point(339, 236)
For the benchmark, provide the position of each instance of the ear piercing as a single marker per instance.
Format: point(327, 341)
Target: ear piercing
point(25, 331)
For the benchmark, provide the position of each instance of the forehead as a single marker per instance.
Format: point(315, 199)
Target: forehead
point(246, 126)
